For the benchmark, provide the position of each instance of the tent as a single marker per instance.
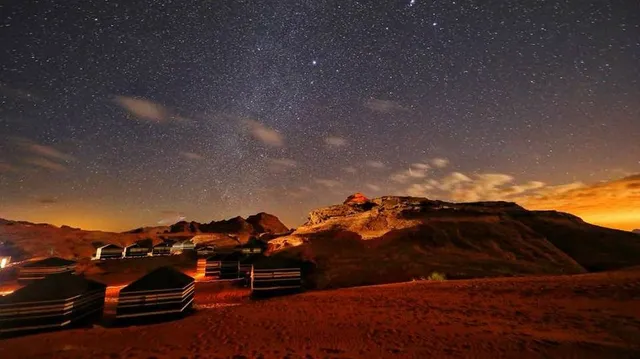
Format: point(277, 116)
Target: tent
point(56, 301)
point(162, 249)
point(222, 266)
point(270, 276)
point(182, 246)
point(163, 291)
point(45, 267)
point(108, 251)
point(135, 250)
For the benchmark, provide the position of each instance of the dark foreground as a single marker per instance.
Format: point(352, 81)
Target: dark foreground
point(581, 316)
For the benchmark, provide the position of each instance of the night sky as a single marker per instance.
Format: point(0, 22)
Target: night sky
point(115, 115)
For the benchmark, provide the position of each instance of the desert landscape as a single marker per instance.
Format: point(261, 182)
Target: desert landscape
point(319, 179)
point(402, 277)
point(577, 316)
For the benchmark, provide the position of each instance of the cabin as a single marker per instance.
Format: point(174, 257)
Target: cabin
point(45, 267)
point(162, 292)
point(253, 246)
point(4, 261)
point(162, 249)
point(221, 266)
point(182, 246)
point(109, 251)
point(134, 251)
point(55, 302)
point(273, 278)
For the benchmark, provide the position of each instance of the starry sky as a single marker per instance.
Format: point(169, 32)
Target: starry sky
point(117, 114)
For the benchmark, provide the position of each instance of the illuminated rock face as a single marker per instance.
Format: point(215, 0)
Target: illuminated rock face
point(357, 198)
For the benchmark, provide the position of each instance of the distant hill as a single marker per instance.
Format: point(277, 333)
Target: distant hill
point(391, 239)
point(636, 231)
point(24, 239)
point(240, 228)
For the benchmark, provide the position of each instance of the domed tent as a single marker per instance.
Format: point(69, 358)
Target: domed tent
point(56, 301)
point(163, 291)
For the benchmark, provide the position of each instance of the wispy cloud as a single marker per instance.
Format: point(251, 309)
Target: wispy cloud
point(47, 200)
point(191, 155)
point(415, 170)
point(7, 168)
point(383, 106)
point(334, 141)
point(440, 162)
point(375, 164)
point(281, 164)
point(264, 134)
point(328, 183)
point(611, 203)
point(50, 152)
point(170, 217)
point(46, 164)
point(373, 187)
point(144, 109)
point(42, 156)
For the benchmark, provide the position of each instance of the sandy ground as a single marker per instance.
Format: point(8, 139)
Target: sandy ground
point(580, 316)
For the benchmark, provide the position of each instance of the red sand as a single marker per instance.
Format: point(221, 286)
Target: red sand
point(581, 316)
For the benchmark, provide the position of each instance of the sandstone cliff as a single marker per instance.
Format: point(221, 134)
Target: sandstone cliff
point(390, 239)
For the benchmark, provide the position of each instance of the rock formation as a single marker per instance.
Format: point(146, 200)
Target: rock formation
point(390, 239)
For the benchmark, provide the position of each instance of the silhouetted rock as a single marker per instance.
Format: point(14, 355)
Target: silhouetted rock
point(266, 223)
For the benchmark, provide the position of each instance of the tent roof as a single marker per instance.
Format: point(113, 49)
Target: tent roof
point(230, 256)
point(53, 287)
point(110, 245)
point(161, 278)
point(50, 262)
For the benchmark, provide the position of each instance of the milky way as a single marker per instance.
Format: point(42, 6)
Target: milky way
point(115, 114)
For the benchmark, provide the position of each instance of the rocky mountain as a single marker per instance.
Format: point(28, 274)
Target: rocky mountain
point(266, 223)
point(24, 240)
point(390, 239)
point(636, 231)
point(253, 225)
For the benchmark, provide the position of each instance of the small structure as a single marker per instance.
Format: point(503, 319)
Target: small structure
point(57, 301)
point(221, 266)
point(109, 251)
point(164, 291)
point(134, 250)
point(45, 267)
point(4, 261)
point(162, 249)
point(182, 246)
point(205, 251)
point(275, 278)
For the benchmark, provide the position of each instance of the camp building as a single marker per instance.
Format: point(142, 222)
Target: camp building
point(134, 250)
point(45, 267)
point(275, 277)
point(164, 291)
point(221, 266)
point(57, 301)
point(109, 251)
point(162, 249)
